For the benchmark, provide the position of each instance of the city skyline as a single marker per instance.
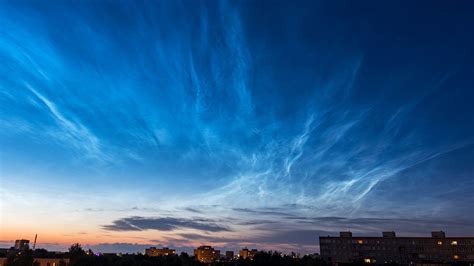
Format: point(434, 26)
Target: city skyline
point(262, 124)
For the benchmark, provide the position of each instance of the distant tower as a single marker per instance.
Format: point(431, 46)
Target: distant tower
point(34, 243)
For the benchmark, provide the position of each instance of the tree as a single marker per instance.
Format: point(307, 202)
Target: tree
point(23, 257)
point(41, 253)
point(76, 253)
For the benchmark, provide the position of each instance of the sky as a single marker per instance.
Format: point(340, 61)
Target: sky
point(260, 124)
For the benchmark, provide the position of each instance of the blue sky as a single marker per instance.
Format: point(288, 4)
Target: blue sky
point(231, 123)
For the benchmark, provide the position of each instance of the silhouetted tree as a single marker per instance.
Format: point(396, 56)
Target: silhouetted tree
point(76, 251)
point(41, 253)
point(23, 257)
point(79, 257)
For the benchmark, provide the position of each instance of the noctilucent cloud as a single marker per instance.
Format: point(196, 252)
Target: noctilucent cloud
point(264, 124)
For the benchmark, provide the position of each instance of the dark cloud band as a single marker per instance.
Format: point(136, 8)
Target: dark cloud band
point(138, 223)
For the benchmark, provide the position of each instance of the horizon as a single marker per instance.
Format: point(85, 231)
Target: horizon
point(124, 248)
point(260, 124)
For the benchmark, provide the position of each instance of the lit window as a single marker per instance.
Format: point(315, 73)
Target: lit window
point(454, 243)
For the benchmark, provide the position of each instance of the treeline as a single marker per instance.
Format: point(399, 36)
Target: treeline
point(79, 257)
point(261, 259)
point(26, 257)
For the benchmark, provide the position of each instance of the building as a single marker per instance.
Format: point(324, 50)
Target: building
point(247, 254)
point(154, 252)
point(229, 255)
point(392, 249)
point(21, 243)
point(51, 262)
point(206, 254)
point(43, 261)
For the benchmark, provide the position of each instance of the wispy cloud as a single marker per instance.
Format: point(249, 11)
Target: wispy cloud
point(256, 122)
point(73, 133)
